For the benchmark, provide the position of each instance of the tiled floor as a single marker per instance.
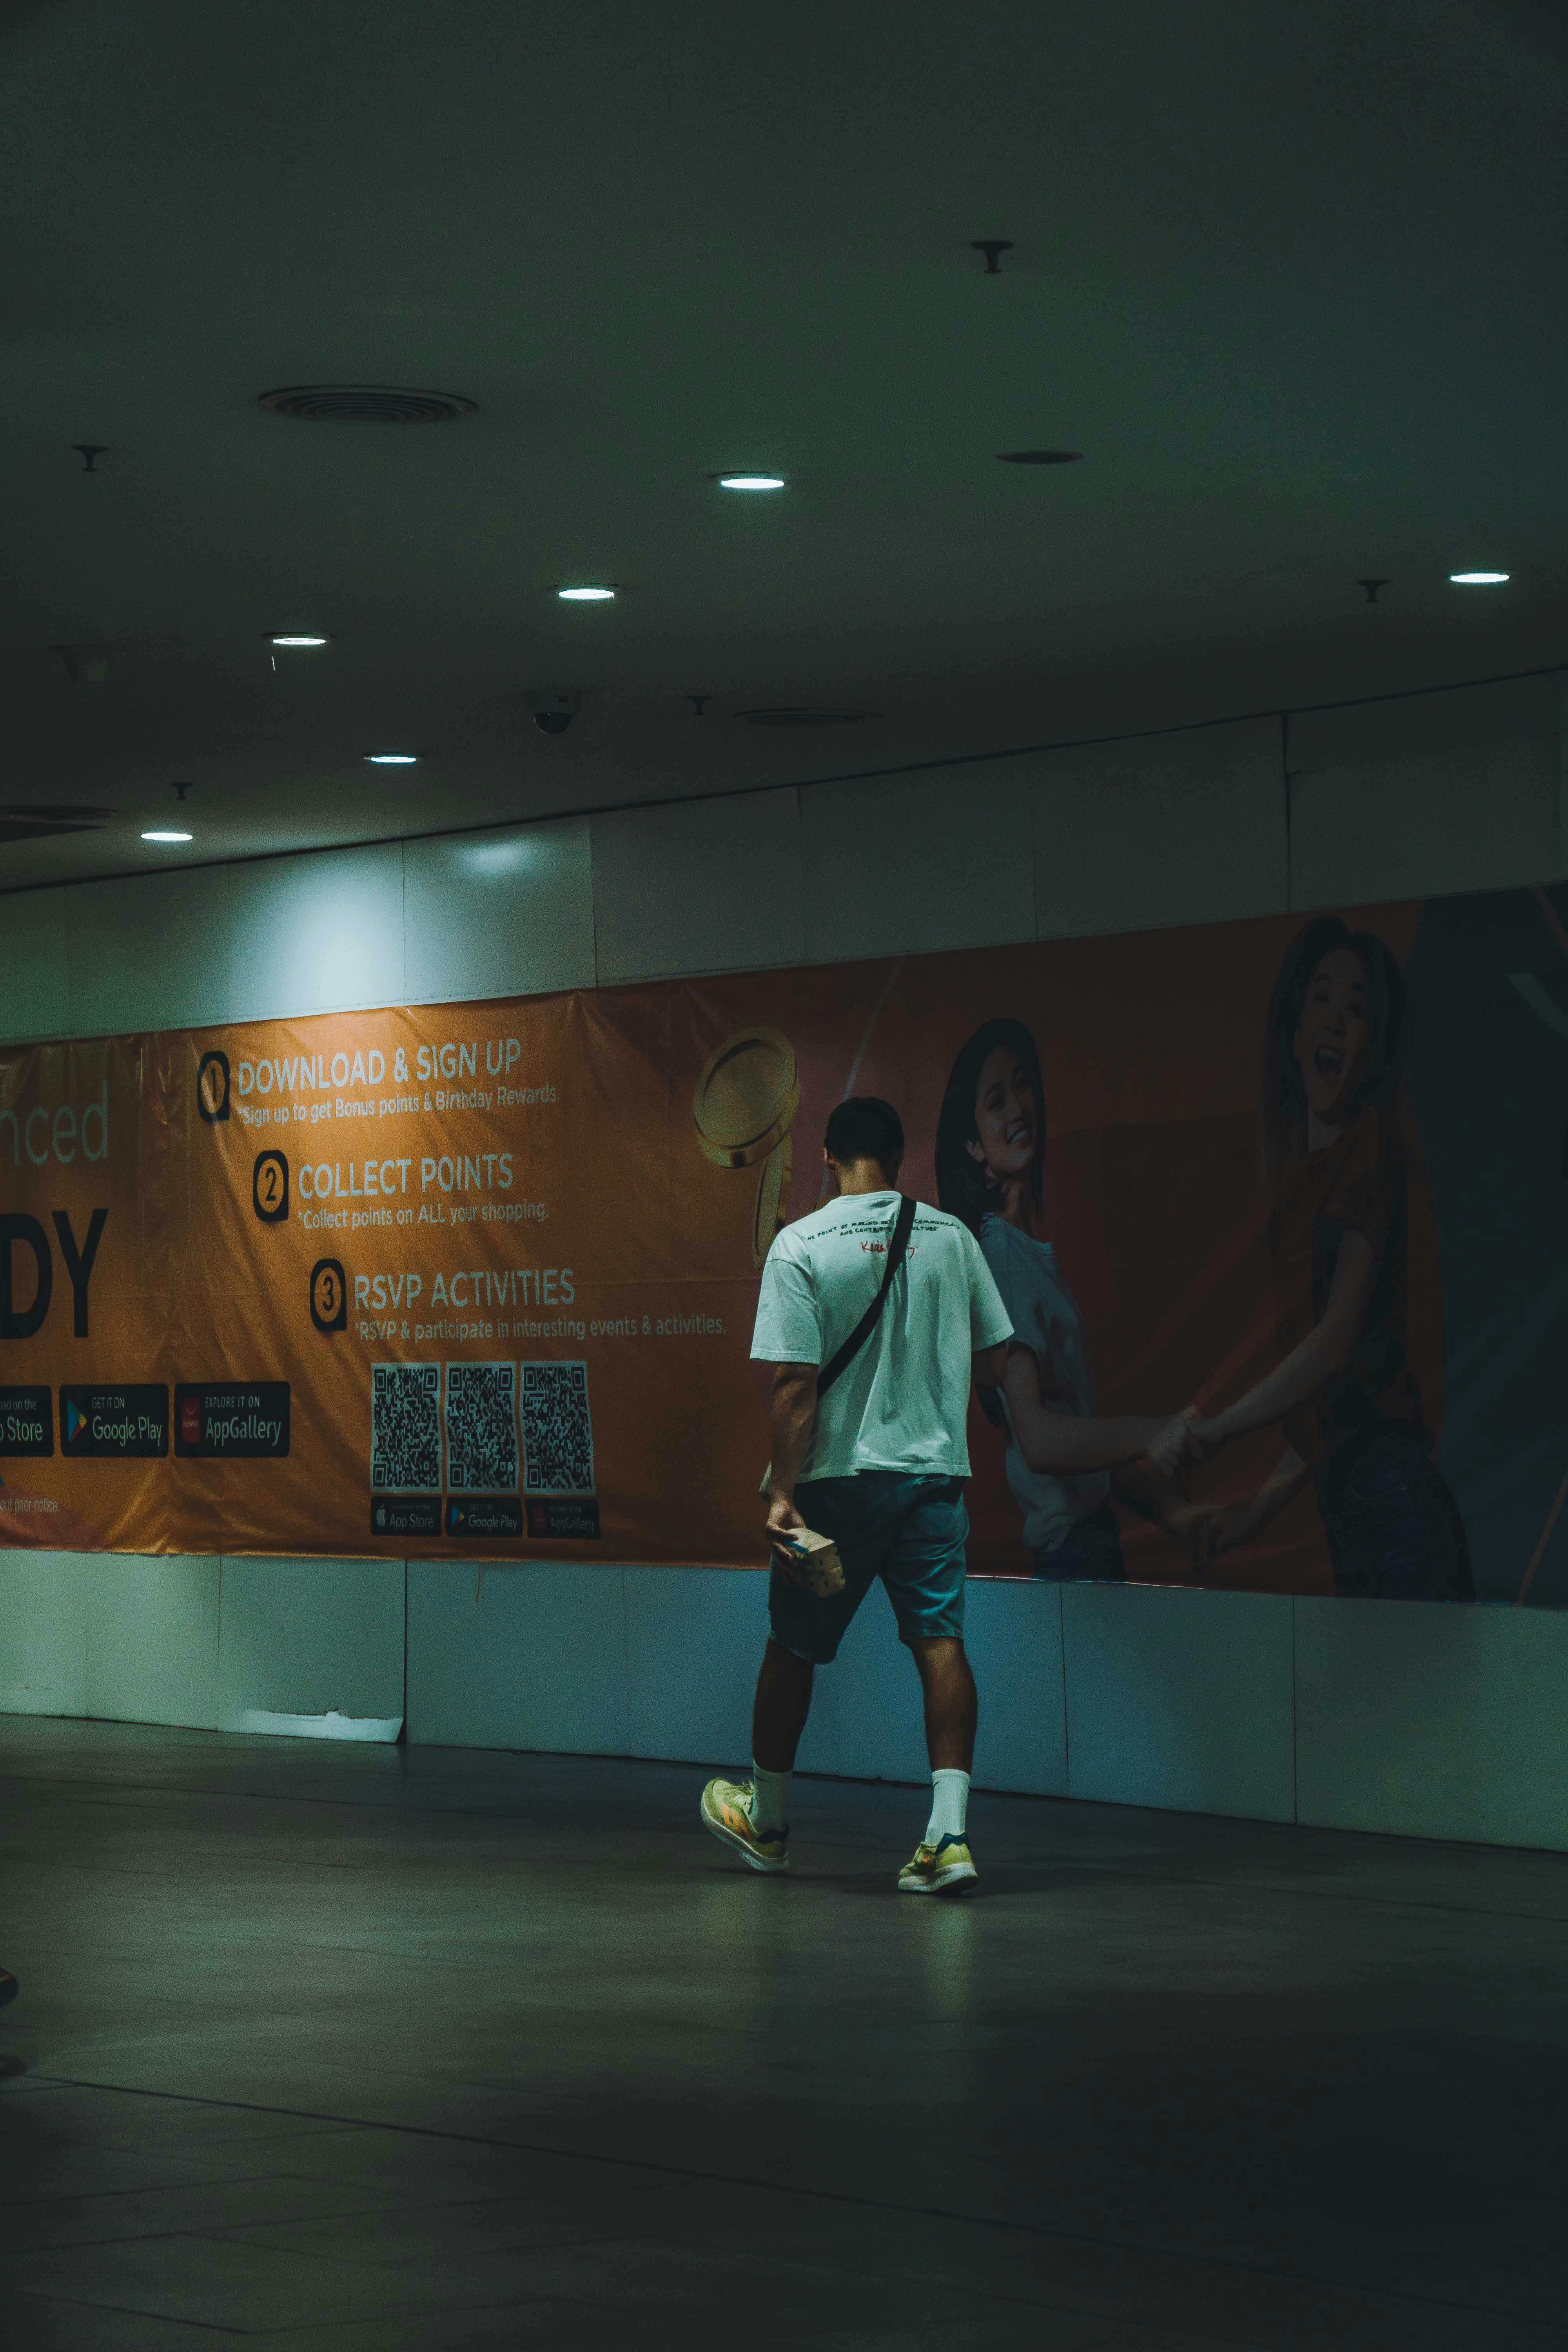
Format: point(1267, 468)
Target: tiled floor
point(342, 2047)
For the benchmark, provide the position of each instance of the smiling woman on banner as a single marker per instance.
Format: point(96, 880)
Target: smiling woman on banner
point(1334, 1122)
point(990, 1167)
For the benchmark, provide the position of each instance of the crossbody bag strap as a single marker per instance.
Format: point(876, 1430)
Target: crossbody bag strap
point(843, 1357)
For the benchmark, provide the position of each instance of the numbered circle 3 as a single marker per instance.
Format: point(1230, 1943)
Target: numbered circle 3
point(329, 1295)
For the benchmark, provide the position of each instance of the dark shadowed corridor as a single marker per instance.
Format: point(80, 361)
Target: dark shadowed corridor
point(343, 2046)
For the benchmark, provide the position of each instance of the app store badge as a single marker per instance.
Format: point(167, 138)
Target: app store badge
point(27, 1422)
point(406, 1515)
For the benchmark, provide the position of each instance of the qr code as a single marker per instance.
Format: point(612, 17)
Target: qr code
point(557, 1434)
point(481, 1428)
point(405, 1427)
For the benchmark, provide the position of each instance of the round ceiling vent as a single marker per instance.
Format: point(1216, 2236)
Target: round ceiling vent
point(804, 715)
point(364, 403)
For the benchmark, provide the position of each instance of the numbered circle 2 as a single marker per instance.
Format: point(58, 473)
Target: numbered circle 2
point(270, 1187)
point(329, 1295)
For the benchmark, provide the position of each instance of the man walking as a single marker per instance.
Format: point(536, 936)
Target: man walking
point(876, 1313)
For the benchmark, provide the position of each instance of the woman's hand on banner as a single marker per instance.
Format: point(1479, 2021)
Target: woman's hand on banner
point(1178, 1442)
point(1206, 1529)
point(1213, 1531)
point(1218, 1527)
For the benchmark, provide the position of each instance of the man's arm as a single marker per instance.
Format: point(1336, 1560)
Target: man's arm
point(990, 1364)
point(793, 1416)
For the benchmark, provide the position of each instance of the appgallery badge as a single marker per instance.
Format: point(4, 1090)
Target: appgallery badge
point(223, 1421)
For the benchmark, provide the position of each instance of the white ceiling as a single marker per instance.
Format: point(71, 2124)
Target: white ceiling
point(1289, 276)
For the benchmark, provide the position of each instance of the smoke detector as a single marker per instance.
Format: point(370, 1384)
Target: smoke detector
point(364, 403)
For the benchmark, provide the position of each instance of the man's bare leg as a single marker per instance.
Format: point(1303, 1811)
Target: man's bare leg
point(942, 1864)
point(952, 1705)
point(782, 1704)
point(751, 1817)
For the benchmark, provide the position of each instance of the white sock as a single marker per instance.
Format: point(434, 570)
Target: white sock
point(949, 1805)
point(770, 1799)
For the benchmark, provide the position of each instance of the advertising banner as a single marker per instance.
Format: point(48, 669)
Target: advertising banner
point(480, 1279)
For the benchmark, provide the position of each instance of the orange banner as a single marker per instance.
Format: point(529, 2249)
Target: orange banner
point(480, 1278)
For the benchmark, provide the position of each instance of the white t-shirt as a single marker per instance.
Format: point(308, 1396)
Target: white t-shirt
point(903, 1402)
point(1046, 1320)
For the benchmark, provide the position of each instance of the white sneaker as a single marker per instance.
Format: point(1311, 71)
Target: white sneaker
point(945, 1868)
point(727, 1815)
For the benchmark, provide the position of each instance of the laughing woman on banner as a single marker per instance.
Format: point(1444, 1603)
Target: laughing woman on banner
point(990, 1167)
point(1334, 1116)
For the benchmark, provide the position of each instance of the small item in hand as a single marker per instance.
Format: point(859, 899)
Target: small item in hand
point(812, 1561)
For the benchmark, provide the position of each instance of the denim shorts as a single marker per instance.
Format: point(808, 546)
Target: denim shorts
point(909, 1531)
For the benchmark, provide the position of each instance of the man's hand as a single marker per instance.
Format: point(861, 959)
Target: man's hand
point(783, 1521)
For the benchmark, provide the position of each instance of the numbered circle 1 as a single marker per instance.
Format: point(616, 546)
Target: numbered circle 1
point(211, 1086)
point(270, 1187)
point(329, 1295)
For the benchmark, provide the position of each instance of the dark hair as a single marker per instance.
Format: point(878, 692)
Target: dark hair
point(864, 1126)
point(1282, 1098)
point(961, 1185)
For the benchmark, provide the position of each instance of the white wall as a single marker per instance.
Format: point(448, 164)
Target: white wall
point(1431, 793)
point(1428, 793)
point(1439, 1722)
point(302, 1646)
point(1431, 1721)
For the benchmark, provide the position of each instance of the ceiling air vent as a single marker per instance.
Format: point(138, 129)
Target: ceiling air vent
point(364, 403)
point(39, 821)
point(804, 715)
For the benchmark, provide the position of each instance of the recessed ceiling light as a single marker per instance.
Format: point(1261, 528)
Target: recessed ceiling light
point(299, 641)
point(1477, 579)
point(159, 835)
point(392, 758)
point(750, 481)
point(587, 596)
